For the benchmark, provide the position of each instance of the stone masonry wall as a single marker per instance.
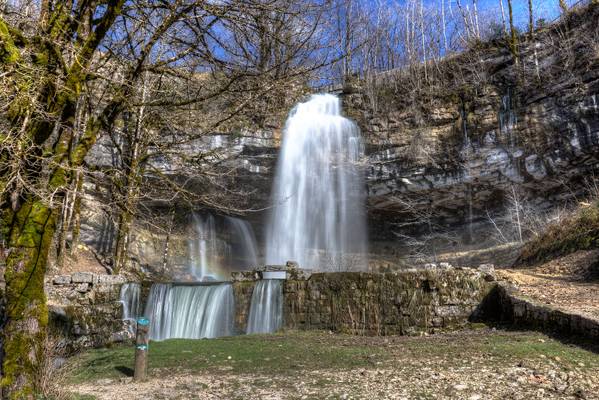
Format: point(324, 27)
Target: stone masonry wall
point(409, 302)
point(85, 308)
point(506, 305)
point(243, 298)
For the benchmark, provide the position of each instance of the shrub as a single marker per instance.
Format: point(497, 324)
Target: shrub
point(578, 232)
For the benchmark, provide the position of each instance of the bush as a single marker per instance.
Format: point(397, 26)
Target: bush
point(579, 232)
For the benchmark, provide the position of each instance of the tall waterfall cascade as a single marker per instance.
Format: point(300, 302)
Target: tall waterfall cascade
point(218, 245)
point(190, 311)
point(318, 217)
point(266, 309)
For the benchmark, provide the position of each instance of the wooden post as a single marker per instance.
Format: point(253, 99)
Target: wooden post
point(141, 349)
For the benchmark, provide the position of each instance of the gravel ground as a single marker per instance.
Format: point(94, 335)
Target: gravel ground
point(473, 364)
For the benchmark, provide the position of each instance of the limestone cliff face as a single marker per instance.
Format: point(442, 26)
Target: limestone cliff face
point(533, 125)
point(455, 152)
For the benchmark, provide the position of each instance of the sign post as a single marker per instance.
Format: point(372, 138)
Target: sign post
point(141, 349)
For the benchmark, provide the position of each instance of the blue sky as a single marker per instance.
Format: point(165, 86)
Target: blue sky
point(547, 9)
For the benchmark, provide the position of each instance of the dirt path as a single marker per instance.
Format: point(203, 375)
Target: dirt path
point(570, 283)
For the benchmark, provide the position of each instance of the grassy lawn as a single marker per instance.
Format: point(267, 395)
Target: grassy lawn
point(305, 365)
point(284, 353)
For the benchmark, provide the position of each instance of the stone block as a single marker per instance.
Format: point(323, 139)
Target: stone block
point(82, 287)
point(82, 277)
point(437, 322)
point(109, 279)
point(57, 311)
point(103, 296)
point(62, 280)
point(449, 311)
point(487, 268)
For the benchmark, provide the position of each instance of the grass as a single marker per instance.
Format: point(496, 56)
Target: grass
point(284, 353)
point(320, 365)
point(290, 353)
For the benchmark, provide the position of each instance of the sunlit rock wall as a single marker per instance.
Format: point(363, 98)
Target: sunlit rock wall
point(454, 152)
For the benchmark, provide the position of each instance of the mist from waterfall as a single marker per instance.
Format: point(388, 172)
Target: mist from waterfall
point(318, 217)
point(203, 247)
point(190, 311)
point(218, 245)
point(129, 297)
point(246, 240)
point(266, 309)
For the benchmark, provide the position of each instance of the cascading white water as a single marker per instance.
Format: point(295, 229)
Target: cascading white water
point(318, 215)
point(266, 309)
point(203, 247)
point(190, 311)
point(218, 245)
point(244, 235)
point(130, 299)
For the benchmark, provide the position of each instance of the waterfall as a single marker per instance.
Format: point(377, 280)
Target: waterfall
point(219, 244)
point(190, 311)
point(244, 235)
point(508, 120)
point(203, 247)
point(318, 215)
point(130, 299)
point(266, 309)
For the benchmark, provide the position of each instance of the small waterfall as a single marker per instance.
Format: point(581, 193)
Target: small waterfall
point(218, 244)
point(190, 311)
point(244, 235)
point(130, 300)
point(266, 310)
point(318, 217)
point(203, 247)
point(464, 117)
point(508, 120)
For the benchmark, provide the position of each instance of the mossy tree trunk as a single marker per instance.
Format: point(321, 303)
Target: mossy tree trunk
point(29, 239)
point(44, 91)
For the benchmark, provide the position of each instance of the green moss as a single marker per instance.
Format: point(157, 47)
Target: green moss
point(9, 53)
point(27, 315)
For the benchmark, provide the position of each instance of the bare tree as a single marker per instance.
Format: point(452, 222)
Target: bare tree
point(531, 23)
point(108, 52)
point(513, 34)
